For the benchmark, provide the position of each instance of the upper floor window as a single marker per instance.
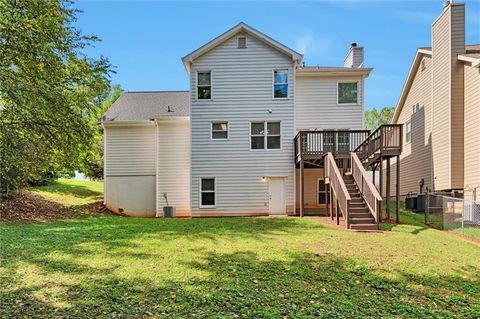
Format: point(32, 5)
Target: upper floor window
point(219, 130)
point(242, 42)
point(204, 85)
point(408, 131)
point(280, 84)
point(265, 135)
point(347, 93)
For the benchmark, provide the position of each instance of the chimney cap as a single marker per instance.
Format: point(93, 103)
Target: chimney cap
point(353, 44)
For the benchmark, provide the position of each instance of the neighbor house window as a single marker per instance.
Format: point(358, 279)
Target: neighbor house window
point(204, 85)
point(280, 84)
point(219, 130)
point(347, 92)
point(408, 131)
point(207, 192)
point(265, 135)
point(322, 192)
point(242, 42)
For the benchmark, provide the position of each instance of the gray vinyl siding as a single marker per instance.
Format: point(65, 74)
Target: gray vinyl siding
point(130, 150)
point(241, 92)
point(173, 175)
point(316, 104)
point(129, 161)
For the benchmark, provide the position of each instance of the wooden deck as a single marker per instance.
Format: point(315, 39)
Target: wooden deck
point(312, 147)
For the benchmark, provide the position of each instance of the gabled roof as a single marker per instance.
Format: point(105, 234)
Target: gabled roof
point(145, 106)
point(421, 52)
point(471, 55)
point(241, 27)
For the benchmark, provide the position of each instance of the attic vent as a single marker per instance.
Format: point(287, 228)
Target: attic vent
point(242, 42)
point(423, 65)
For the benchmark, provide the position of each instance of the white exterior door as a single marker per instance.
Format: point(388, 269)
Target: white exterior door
point(276, 202)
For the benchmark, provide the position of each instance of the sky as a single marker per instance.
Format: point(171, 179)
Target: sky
point(145, 41)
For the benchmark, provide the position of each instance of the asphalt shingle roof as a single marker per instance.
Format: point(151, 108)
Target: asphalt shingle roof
point(141, 106)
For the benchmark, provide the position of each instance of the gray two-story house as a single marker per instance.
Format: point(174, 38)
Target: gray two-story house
point(249, 138)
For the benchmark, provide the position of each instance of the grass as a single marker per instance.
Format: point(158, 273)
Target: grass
point(71, 192)
point(118, 267)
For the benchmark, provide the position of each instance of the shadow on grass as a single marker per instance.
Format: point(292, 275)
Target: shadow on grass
point(247, 286)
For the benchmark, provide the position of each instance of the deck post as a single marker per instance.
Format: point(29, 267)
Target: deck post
point(330, 197)
point(380, 164)
point(373, 175)
point(388, 189)
point(398, 190)
point(337, 213)
point(302, 187)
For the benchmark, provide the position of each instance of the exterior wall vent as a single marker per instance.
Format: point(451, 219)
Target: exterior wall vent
point(242, 42)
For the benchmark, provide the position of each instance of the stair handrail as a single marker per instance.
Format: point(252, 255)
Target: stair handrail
point(337, 185)
point(369, 192)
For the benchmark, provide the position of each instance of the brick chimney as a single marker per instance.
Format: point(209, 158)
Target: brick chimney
point(354, 58)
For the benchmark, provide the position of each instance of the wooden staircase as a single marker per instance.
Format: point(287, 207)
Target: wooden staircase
point(360, 217)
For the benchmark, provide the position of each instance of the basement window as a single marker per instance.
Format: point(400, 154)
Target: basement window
point(242, 43)
point(207, 192)
point(322, 192)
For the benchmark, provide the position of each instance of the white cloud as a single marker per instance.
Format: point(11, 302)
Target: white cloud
point(308, 43)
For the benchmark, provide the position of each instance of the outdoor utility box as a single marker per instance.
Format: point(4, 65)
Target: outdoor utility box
point(421, 201)
point(411, 203)
point(168, 211)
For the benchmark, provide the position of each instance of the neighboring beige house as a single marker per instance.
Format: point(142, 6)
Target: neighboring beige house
point(228, 146)
point(439, 108)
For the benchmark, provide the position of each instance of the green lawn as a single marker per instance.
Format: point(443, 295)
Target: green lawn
point(119, 267)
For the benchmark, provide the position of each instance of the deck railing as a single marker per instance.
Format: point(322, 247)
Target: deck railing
point(339, 190)
point(368, 190)
point(385, 138)
point(318, 143)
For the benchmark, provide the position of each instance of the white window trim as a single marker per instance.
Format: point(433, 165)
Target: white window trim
point(405, 128)
point(358, 92)
point(242, 36)
point(211, 85)
point(288, 85)
point(211, 130)
point(200, 191)
point(265, 140)
point(318, 192)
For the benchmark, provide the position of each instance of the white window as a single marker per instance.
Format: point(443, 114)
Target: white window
point(347, 93)
point(265, 135)
point(207, 192)
point(242, 42)
point(219, 130)
point(280, 84)
point(321, 192)
point(204, 85)
point(408, 131)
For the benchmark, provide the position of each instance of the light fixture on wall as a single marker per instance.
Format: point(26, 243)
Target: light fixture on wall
point(270, 111)
point(264, 178)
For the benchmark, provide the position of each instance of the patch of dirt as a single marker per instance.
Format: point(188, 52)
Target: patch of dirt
point(29, 207)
